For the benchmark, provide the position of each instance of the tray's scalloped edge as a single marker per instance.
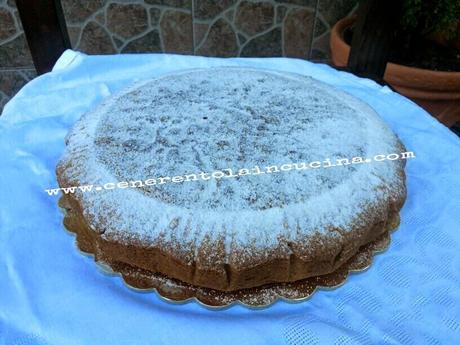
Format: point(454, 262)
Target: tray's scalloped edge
point(378, 246)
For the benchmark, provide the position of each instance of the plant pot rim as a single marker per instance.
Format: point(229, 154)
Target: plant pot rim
point(393, 68)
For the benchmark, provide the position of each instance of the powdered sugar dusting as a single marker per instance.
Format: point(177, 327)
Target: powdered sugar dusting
point(213, 119)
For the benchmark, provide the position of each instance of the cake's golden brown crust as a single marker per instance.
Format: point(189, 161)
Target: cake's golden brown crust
point(260, 296)
point(326, 257)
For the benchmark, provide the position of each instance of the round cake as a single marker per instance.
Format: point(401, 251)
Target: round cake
point(230, 178)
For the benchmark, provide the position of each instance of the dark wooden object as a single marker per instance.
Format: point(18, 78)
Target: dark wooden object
point(372, 37)
point(45, 29)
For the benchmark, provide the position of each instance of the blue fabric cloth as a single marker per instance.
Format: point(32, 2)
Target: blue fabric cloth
point(51, 294)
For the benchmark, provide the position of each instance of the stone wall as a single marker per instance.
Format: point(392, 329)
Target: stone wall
point(294, 28)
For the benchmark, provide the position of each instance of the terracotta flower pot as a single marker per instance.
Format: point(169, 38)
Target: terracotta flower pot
point(437, 92)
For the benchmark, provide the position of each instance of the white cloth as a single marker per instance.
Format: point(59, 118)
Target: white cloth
point(51, 294)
